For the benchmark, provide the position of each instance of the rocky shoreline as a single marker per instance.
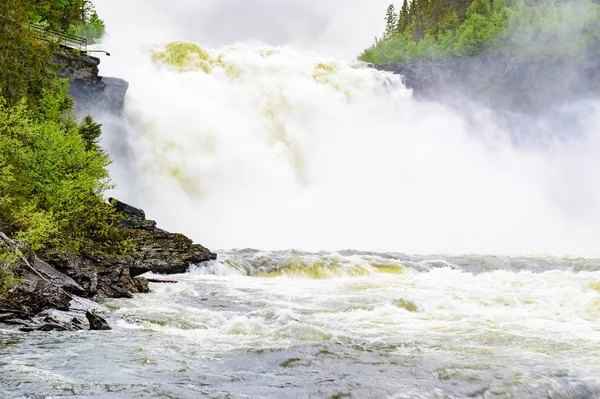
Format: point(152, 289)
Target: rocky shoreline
point(59, 291)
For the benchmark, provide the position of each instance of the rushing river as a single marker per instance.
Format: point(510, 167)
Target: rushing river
point(332, 325)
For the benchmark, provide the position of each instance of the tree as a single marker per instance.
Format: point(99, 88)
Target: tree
point(90, 132)
point(89, 26)
point(435, 28)
point(25, 71)
point(52, 182)
point(404, 18)
point(86, 9)
point(419, 19)
point(391, 21)
point(481, 7)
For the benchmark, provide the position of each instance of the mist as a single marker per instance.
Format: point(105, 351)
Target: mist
point(282, 145)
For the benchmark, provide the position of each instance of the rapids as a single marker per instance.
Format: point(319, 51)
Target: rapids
point(297, 325)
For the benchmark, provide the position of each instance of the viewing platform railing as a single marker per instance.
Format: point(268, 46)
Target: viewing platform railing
point(63, 39)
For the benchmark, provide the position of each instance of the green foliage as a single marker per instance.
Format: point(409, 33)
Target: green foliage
point(449, 28)
point(8, 262)
point(75, 17)
point(52, 171)
point(24, 68)
point(53, 179)
point(92, 28)
point(403, 18)
point(90, 132)
point(96, 26)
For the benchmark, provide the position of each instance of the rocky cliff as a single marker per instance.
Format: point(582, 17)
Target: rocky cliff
point(92, 93)
point(505, 81)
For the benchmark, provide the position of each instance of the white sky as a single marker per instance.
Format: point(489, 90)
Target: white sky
point(339, 28)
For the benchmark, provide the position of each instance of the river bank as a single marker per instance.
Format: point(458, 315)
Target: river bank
point(61, 281)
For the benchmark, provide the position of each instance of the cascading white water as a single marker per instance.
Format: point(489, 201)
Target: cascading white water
point(255, 146)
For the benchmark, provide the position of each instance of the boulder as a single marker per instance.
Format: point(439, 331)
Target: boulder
point(45, 327)
point(53, 320)
point(97, 323)
point(57, 278)
point(32, 296)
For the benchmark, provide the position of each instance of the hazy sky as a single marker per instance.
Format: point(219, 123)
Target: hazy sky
point(340, 28)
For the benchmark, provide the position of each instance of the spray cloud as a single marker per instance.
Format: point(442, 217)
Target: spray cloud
point(251, 145)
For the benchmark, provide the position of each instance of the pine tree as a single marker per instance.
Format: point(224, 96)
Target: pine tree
point(90, 132)
point(481, 7)
point(412, 12)
point(404, 18)
point(391, 21)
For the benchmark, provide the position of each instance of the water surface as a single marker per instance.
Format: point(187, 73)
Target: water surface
point(297, 325)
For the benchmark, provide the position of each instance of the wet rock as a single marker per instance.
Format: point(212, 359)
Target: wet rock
point(7, 315)
point(15, 322)
point(33, 295)
point(41, 287)
point(97, 323)
point(56, 320)
point(142, 284)
point(132, 218)
point(100, 275)
point(45, 327)
point(82, 305)
point(91, 92)
point(57, 278)
point(50, 319)
point(76, 324)
point(505, 81)
point(159, 251)
point(60, 279)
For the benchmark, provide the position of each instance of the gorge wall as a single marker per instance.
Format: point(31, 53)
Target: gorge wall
point(508, 81)
point(91, 92)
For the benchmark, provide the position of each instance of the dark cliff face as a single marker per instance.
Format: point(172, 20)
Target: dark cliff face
point(503, 82)
point(93, 94)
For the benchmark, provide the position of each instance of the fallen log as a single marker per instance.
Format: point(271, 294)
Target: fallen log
point(152, 280)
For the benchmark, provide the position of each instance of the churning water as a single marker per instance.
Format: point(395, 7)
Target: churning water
point(263, 147)
point(332, 325)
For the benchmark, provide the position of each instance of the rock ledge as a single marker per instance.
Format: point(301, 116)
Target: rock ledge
point(60, 281)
